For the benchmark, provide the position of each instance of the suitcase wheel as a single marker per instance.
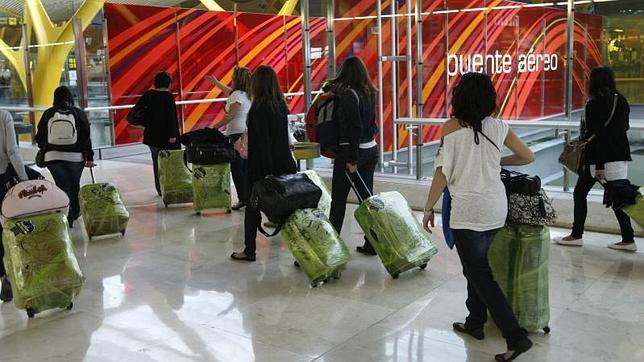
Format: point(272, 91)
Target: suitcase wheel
point(395, 275)
point(314, 284)
point(123, 232)
point(423, 266)
point(70, 306)
point(165, 204)
point(296, 264)
point(546, 330)
point(336, 275)
point(228, 211)
point(30, 313)
point(198, 212)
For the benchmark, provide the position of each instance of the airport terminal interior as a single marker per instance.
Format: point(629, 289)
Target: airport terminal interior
point(162, 285)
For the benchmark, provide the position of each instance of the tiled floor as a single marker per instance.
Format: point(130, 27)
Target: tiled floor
point(168, 292)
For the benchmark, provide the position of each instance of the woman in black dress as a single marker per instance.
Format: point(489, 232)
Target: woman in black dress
point(269, 152)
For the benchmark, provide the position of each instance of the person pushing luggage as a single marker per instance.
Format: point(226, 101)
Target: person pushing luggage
point(9, 157)
point(468, 164)
point(64, 138)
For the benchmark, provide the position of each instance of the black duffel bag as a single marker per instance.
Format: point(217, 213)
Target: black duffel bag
point(527, 201)
point(279, 196)
point(209, 153)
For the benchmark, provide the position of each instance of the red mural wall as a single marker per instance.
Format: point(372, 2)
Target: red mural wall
point(518, 46)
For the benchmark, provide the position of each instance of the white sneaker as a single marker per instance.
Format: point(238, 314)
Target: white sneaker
point(623, 246)
point(565, 240)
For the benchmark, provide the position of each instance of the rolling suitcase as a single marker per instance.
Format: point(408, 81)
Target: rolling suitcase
point(174, 177)
point(325, 199)
point(393, 231)
point(40, 262)
point(636, 211)
point(519, 257)
point(211, 187)
point(102, 208)
point(316, 246)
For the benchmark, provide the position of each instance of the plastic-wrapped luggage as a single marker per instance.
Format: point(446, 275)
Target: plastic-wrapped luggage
point(636, 211)
point(315, 244)
point(211, 187)
point(40, 262)
point(174, 177)
point(519, 257)
point(325, 199)
point(393, 231)
point(102, 208)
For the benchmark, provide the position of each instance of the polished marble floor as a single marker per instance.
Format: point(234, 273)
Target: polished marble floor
point(168, 292)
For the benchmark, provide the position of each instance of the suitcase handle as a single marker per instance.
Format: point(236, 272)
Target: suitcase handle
point(91, 172)
point(355, 188)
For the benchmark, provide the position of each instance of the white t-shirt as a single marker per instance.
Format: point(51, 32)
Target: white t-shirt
point(238, 124)
point(473, 177)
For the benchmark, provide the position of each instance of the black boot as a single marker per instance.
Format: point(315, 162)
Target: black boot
point(6, 295)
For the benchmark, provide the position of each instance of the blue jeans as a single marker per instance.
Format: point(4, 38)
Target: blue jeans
point(483, 292)
point(67, 176)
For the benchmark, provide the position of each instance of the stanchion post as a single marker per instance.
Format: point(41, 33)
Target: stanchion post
point(419, 87)
point(306, 48)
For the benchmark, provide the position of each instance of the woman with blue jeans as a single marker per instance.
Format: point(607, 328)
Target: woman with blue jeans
point(64, 137)
point(469, 165)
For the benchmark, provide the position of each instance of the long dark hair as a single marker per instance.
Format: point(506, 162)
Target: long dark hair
point(241, 79)
point(473, 99)
point(264, 87)
point(602, 82)
point(354, 75)
point(63, 97)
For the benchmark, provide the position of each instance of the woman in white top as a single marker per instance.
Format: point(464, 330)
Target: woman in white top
point(237, 107)
point(9, 155)
point(469, 165)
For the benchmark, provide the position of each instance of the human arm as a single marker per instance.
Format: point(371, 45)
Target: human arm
point(233, 109)
point(11, 148)
point(350, 127)
point(173, 123)
point(85, 141)
point(214, 81)
point(521, 153)
point(261, 118)
point(439, 182)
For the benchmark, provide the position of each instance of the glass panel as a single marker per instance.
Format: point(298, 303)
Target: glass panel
point(142, 42)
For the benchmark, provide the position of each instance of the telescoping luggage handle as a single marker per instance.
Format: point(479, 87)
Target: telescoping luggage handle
point(91, 172)
point(354, 188)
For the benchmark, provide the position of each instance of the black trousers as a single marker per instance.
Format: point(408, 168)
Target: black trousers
point(154, 152)
point(238, 171)
point(252, 221)
point(340, 186)
point(67, 176)
point(483, 292)
point(585, 183)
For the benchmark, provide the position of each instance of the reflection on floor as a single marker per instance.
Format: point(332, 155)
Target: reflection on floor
point(168, 292)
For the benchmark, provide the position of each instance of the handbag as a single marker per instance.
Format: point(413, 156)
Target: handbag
point(572, 156)
point(527, 202)
point(241, 145)
point(209, 154)
point(11, 177)
point(138, 115)
point(279, 196)
point(40, 159)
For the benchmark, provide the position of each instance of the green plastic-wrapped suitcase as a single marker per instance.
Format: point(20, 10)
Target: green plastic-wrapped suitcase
point(325, 199)
point(102, 208)
point(519, 257)
point(211, 187)
point(393, 231)
point(636, 211)
point(174, 177)
point(40, 263)
point(316, 246)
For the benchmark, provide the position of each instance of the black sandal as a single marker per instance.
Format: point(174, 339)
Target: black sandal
point(242, 257)
point(523, 346)
point(476, 333)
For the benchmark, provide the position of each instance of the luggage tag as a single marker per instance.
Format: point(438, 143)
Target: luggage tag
point(23, 227)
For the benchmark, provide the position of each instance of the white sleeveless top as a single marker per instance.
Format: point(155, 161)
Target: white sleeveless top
point(473, 177)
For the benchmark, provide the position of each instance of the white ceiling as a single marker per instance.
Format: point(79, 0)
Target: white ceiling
point(61, 10)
